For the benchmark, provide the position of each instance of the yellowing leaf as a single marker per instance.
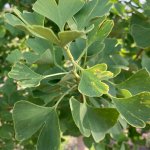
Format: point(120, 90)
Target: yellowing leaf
point(91, 84)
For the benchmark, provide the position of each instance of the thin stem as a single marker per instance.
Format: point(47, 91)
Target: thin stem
point(72, 59)
point(84, 99)
point(81, 55)
point(56, 74)
point(139, 54)
point(66, 93)
point(84, 52)
point(75, 64)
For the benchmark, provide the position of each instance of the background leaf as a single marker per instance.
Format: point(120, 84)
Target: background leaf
point(141, 35)
point(134, 84)
point(134, 109)
point(92, 9)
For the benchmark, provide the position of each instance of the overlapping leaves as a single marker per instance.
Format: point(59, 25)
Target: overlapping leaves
point(26, 77)
point(134, 109)
point(86, 20)
point(26, 23)
point(29, 118)
point(59, 13)
point(90, 120)
point(92, 9)
point(134, 84)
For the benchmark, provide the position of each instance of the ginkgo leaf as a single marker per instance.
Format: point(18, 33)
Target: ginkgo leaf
point(30, 18)
point(79, 114)
point(15, 22)
point(92, 9)
point(45, 33)
point(90, 120)
point(91, 81)
point(28, 78)
point(50, 134)
point(62, 39)
point(59, 13)
point(68, 36)
point(24, 20)
point(29, 118)
point(41, 51)
point(134, 109)
point(101, 31)
point(140, 32)
point(25, 76)
point(110, 55)
point(134, 84)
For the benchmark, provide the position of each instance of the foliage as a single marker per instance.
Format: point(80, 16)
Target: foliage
point(79, 68)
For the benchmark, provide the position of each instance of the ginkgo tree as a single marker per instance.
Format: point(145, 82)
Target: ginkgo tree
point(86, 75)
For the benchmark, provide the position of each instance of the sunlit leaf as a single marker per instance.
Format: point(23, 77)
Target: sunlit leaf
point(25, 76)
point(91, 81)
point(59, 13)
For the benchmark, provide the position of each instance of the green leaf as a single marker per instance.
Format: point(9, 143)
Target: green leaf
point(49, 138)
point(134, 84)
point(141, 35)
point(13, 20)
point(63, 38)
point(95, 48)
point(101, 120)
point(14, 56)
point(92, 9)
point(25, 76)
point(45, 33)
point(28, 118)
point(134, 109)
point(44, 58)
point(68, 36)
point(59, 13)
point(146, 62)
point(16, 22)
point(2, 31)
point(41, 51)
point(25, 19)
point(110, 55)
point(79, 114)
point(91, 84)
point(6, 131)
point(101, 31)
point(95, 121)
point(77, 47)
point(30, 18)
point(38, 45)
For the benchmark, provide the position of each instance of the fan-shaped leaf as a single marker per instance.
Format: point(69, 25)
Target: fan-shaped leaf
point(91, 84)
point(59, 13)
point(136, 109)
